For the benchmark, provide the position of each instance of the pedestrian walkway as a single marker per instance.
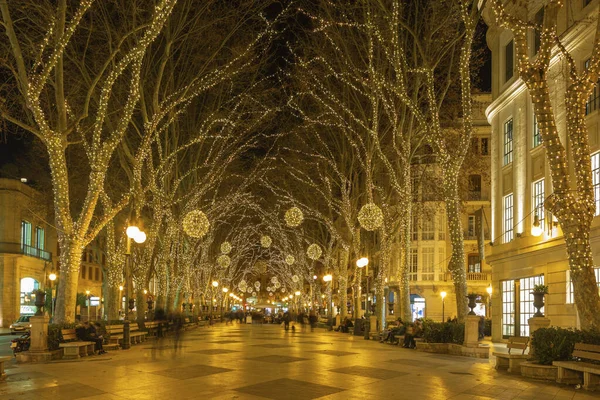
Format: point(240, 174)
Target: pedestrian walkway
point(263, 361)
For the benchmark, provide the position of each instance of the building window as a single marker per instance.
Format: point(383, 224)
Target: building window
point(508, 218)
point(537, 138)
point(474, 263)
point(97, 274)
point(415, 228)
point(472, 227)
point(485, 147)
point(83, 268)
point(509, 61)
point(593, 102)
point(596, 180)
point(526, 309)
point(40, 238)
point(413, 264)
point(508, 308)
point(474, 187)
point(442, 226)
point(537, 36)
point(428, 229)
point(442, 263)
point(538, 200)
point(427, 271)
point(508, 142)
point(25, 234)
point(475, 145)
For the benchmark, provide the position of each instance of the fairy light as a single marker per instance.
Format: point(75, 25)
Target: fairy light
point(196, 224)
point(314, 251)
point(265, 241)
point(225, 247)
point(290, 259)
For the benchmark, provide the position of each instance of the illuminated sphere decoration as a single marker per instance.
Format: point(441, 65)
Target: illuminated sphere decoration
point(242, 283)
point(225, 247)
point(274, 279)
point(294, 217)
point(265, 241)
point(370, 217)
point(277, 285)
point(253, 294)
point(257, 284)
point(249, 289)
point(290, 260)
point(314, 251)
point(268, 288)
point(282, 290)
point(224, 261)
point(295, 278)
point(196, 224)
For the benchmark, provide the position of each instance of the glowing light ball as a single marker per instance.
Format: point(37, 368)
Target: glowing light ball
point(265, 241)
point(314, 251)
point(225, 247)
point(290, 260)
point(370, 217)
point(224, 261)
point(196, 224)
point(294, 217)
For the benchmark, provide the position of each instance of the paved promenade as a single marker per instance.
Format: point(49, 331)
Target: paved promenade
point(258, 362)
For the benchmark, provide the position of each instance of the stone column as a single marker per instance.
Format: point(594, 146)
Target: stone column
point(471, 331)
point(536, 323)
point(373, 323)
point(39, 334)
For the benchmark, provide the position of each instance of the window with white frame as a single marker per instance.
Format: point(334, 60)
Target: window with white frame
point(537, 138)
point(508, 233)
point(472, 226)
point(413, 259)
point(442, 226)
point(428, 232)
point(415, 228)
point(25, 233)
point(508, 308)
point(508, 142)
point(595, 159)
point(427, 269)
point(538, 200)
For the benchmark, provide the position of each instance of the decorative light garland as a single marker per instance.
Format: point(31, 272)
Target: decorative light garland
point(225, 247)
point(196, 224)
point(314, 251)
point(370, 217)
point(265, 241)
point(294, 217)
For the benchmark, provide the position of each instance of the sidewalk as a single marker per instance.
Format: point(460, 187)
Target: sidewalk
point(4, 331)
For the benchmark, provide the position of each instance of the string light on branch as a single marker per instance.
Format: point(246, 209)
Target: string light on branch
point(196, 224)
point(225, 247)
point(224, 261)
point(314, 251)
point(294, 217)
point(290, 260)
point(370, 217)
point(265, 241)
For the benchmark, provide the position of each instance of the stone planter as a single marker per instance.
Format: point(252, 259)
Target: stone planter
point(538, 303)
point(538, 371)
point(40, 302)
point(454, 349)
point(472, 303)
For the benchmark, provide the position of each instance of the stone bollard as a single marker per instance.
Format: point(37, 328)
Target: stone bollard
point(39, 334)
point(536, 323)
point(126, 336)
point(366, 328)
point(471, 331)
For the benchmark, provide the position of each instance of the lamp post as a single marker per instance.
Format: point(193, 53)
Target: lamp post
point(362, 263)
point(52, 278)
point(443, 295)
point(296, 300)
point(215, 285)
point(223, 301)
point(139, 236)
point(489, 291)
point(328, 278)
point(89, 304)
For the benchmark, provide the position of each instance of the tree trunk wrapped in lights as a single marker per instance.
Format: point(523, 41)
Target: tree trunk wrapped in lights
point(572, 204)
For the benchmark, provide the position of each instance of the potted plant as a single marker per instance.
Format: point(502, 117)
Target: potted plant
point(538, 292)
point(472, 302)
point(40, 301)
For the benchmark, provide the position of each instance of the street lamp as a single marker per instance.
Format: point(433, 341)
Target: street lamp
point(489, 291)
point(443, 294)
point(139, 236)
point(52, 278)
point(362, 263)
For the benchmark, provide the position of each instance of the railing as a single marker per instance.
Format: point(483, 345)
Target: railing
point(18, 248)
point(475, 195)
point(471, 236)
point(471, 276)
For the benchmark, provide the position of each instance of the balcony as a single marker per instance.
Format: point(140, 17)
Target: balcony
point(470, 235)
point(472, 276)
point(18, 248)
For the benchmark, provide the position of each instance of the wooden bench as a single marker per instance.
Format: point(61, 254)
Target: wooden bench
point(202, 321)
point(187, 323)
point(115, 333)
point(570, 371)
point(72, 346)
point(513, 361)
point(2, 361)
point(152, 327)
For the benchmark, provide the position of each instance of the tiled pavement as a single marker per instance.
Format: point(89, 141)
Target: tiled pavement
point(258, 362)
